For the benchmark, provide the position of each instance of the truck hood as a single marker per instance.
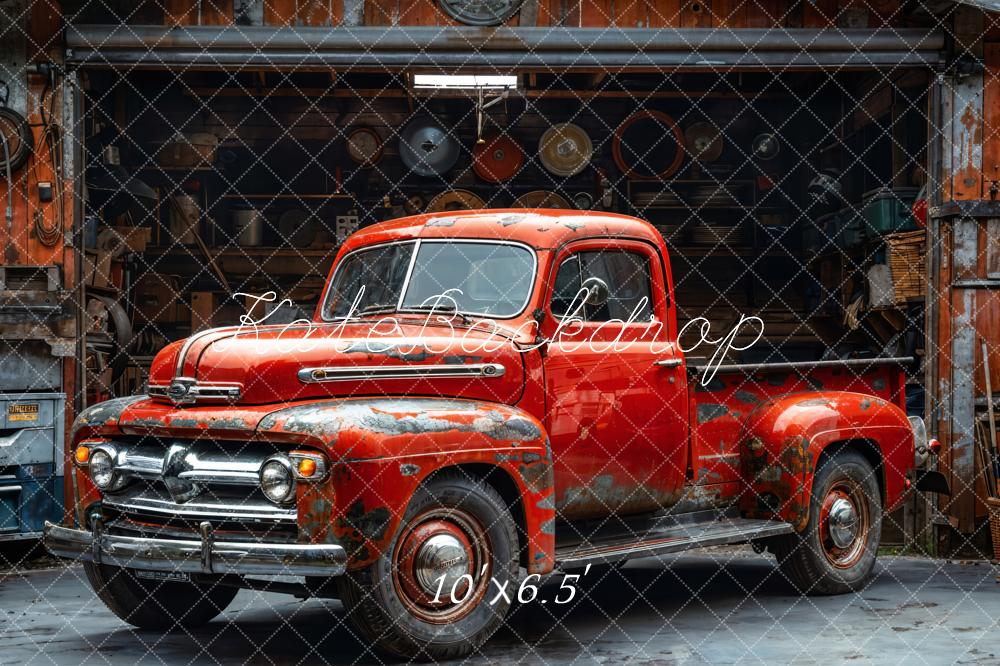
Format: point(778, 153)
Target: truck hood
point(282, 363)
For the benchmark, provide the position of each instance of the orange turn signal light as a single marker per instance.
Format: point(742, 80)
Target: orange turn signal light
point(82, 454)
point(307, 467)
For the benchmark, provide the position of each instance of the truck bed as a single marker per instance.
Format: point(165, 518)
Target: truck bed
point(719, 407)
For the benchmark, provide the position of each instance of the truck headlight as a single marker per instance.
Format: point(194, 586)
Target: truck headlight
point(277, 481)
point(102, 469)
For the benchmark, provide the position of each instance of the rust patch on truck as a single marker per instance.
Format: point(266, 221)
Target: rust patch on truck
point(708, 411)
point(358, 526)
point(777, 478)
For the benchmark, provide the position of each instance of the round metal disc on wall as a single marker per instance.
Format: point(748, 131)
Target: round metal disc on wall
point(766, 146)
point(364, 146)
point(455, 200)
point(565, 149)
point(648, 145)
point(481, 12)
point(426, 148)
point(541, 199)
point(703, 142)
point(497, 159)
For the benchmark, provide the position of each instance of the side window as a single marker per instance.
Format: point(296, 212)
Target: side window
point(627, 277)
point(567, 285)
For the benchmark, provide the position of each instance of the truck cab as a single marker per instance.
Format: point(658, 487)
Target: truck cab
point(480, 397)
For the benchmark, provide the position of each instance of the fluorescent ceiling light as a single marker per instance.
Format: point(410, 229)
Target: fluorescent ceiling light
point(464, 81)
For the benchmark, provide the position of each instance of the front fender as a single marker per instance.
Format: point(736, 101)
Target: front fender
point(382, 448)
point(784, 438)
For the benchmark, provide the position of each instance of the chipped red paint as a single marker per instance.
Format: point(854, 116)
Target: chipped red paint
point(563, 431)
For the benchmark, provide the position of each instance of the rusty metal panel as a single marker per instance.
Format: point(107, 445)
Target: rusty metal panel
point(963, 372)
point(963, 125)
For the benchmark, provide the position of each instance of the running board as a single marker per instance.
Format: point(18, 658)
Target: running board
point(671, 539)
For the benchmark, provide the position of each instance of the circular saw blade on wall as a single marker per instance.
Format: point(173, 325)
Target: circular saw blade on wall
point(427, 148)
point(541, 199)
point(648, 145)
point(703, 142)
point(497, 159)
point(455, 200)
point(565, 149)
point(481, 12)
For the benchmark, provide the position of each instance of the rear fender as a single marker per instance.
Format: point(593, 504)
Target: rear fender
point(382, 449)
point(785, 437)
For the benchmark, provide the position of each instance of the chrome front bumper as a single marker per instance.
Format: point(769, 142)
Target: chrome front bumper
point(205, 555)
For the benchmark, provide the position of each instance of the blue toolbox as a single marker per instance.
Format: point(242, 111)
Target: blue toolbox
point(31, 462)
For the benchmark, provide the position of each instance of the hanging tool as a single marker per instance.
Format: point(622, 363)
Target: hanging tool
point(991, 459)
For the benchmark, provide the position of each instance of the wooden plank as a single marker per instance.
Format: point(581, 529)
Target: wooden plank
point(765, 13)
point(44, 31)
point(381, 12)
point(991, 115)
point(819, 13)
point(596, 13)
point(664, 13)
point(198, 12)
point(216, 12)
point(729, 13)
point(180, 12)
point(279, 12)
point(992, 241)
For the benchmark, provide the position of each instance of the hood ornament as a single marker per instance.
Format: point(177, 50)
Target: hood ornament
point(179, 390)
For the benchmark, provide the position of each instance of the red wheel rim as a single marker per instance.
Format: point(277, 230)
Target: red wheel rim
point(844, 524)
point(442, 565)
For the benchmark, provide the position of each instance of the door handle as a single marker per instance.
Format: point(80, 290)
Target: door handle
point(669, 362)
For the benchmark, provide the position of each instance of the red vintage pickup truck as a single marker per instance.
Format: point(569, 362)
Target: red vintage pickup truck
point(481, 397)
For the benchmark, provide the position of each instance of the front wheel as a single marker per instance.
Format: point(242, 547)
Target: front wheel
point(157, 604)
point(429, 596)
point(836, 553)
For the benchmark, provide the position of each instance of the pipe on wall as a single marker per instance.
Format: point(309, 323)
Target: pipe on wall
point(466, 47)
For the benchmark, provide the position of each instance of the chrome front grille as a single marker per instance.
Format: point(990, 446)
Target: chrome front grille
point(176, 484)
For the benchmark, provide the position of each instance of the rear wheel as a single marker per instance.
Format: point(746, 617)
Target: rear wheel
point(155, 604)
point(836, 553)
point(428, 596)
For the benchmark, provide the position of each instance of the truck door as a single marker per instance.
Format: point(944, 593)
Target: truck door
point(615, 383)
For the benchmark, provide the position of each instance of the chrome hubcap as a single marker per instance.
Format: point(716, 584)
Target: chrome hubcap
point(843, 523)
point(442, 555)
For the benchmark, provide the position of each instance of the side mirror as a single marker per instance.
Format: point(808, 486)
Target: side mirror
point(597, 291)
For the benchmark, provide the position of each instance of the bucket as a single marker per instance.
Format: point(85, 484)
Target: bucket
point(248, 226)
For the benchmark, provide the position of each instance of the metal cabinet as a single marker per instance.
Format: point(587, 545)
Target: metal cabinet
point(31, 462)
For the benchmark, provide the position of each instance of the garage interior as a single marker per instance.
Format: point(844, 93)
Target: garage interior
point(774, 203)
point(223, 154)
point(768, 219)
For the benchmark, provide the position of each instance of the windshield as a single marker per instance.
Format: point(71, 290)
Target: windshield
point(492, 279)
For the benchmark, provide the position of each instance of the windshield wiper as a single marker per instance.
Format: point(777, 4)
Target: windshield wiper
point(438, 307)
point(374, 308)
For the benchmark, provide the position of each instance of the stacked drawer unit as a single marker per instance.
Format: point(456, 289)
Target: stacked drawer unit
point(31, 462)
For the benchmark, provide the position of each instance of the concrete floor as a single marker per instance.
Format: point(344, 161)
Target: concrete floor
point(718, 608)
